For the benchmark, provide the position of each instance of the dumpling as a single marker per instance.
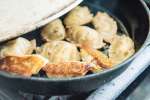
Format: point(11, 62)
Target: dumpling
point(19, 46)
point(53, 31)
point(59, 51)
point(86, 57)
point(66, 69)
point(105, 25)
point(23, 65)
point(121, 48)
point(82, 34)
point(98, 57)
point(78, 16)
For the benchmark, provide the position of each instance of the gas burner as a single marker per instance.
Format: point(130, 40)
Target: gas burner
point(8, 94)
point(4, 96)
point(64, 97)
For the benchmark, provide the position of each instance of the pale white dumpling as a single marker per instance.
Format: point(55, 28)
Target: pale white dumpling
point(59, 51)
point(78, 16)
point(121, 48)
point(19, 46)
point(53, 31)
point(84, 34)
point(105, 25)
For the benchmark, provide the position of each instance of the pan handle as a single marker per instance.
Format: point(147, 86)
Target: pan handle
point(112, 89)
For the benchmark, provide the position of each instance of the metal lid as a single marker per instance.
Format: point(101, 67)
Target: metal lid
point(21, 16)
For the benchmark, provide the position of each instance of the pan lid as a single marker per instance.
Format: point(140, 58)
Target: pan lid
point(18, 17)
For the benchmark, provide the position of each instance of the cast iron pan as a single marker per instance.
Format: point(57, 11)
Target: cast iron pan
point(132, 15)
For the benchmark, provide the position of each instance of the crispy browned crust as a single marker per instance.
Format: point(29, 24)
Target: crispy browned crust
point(22, 65)
point(12, 65)
point(66, 69)
point(101, 58)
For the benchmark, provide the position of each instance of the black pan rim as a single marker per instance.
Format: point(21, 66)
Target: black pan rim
point(90, 76)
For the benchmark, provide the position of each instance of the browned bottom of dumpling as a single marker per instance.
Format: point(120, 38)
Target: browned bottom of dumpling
point(67, 69)
point(23, 65)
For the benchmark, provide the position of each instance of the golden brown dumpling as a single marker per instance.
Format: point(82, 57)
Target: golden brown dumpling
point(67, 69)
point(53, 31)
point(25, 65)
point(59, 51)
point(19, 46)
point(78, 16)
point(82, 34)
point(121, 48)
point(101, 59)
point(105, 25)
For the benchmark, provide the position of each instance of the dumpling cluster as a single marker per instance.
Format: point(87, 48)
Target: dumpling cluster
point(71, 47)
